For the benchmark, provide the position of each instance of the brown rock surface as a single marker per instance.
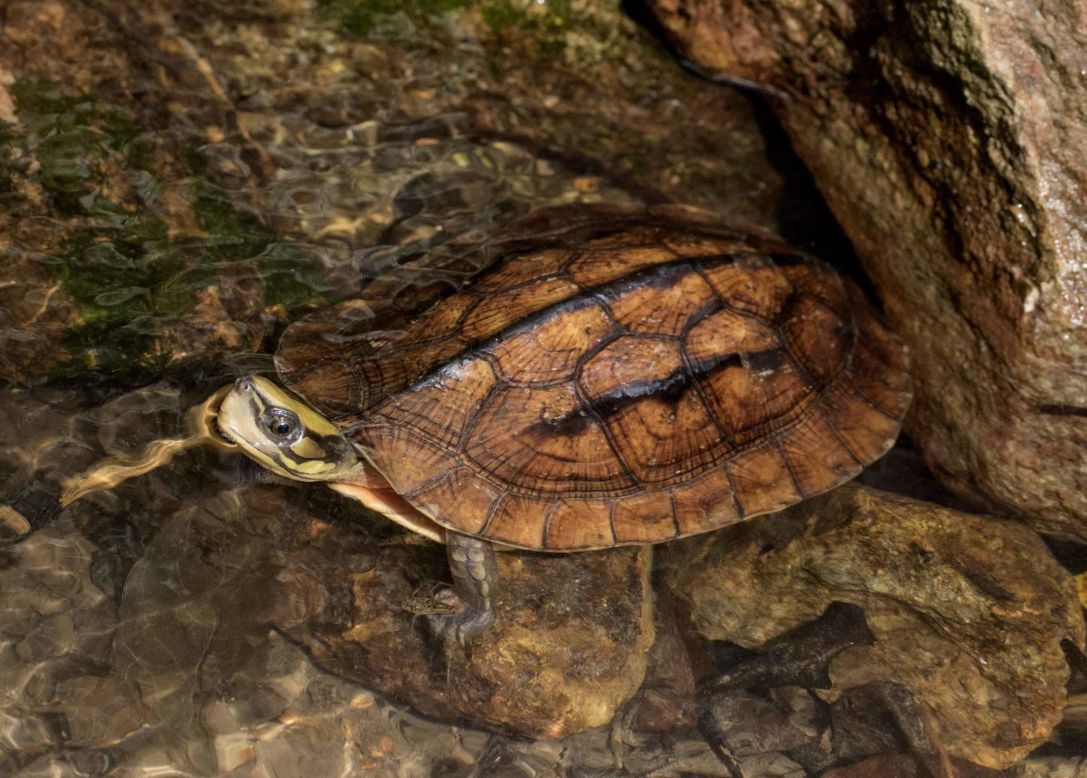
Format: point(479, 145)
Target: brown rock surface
point(240, 155)
point(907, 766)
point(146, 647)
point(968, 613)
point(950, 140)
point(568, 647)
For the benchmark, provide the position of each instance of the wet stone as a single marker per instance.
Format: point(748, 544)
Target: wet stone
point(799, 656)
point(568, 647)
point(248, 162)
point(169, 220)
point(912, 765)
point(1050, 767)
point(665, 699)
point(33, 316)
point(966, 613)
point(13, 524)
point(768, 701)
point(748, 724)
point(865, 724)
point(152, 687)
point(909, 115)
point(770, 766)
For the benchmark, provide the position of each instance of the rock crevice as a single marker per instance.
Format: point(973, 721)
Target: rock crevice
point(950, 141)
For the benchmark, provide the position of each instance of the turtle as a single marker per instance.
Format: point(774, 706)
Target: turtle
point(599, 376)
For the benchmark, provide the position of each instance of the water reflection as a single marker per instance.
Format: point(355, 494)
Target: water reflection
point(175, 188)
point(264, 170)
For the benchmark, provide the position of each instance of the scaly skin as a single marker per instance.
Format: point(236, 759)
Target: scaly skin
point(475, 571)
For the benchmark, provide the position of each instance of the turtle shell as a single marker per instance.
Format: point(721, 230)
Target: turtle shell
point(613, 376)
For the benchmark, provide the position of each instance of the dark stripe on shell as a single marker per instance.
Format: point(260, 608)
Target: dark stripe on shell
point(670, 389)
point(659, 275)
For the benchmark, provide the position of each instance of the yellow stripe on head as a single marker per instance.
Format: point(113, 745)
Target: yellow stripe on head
point(285, 434)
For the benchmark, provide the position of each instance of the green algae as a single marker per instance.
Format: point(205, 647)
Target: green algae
point(120, 275)
point(114, 259)
point(365, 18)
point(545, 29)
point(128, 279)
point(293, 276)
point(7, 172)
point(544, 25)
point(72, 137)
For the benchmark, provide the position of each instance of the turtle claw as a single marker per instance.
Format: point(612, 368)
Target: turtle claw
point(469, 612)
point(464, 625)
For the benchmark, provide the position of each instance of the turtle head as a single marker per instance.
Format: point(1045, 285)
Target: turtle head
point(285, 434)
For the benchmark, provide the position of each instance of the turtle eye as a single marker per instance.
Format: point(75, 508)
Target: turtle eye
point(281, 424)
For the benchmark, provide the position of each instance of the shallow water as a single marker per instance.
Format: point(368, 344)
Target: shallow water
point(176, 186)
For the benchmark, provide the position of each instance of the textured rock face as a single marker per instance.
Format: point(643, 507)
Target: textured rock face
point(967, 613)
point(568, 647)
point(950, 140)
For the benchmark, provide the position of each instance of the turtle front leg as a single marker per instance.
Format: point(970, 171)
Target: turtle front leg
point(475, 572)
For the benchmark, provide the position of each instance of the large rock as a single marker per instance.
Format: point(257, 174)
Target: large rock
point(569, 645)
point(968, 613)
point(950, 140)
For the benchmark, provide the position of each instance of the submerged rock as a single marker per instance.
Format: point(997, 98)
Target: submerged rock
point(169, 204)
point(568, 647)
point(968, 613)
point(950, 141)
point(909, 766)
point(1051, 767)
point(749, 724)
point(665, 701)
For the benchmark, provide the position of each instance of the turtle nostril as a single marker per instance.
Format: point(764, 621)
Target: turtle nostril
point(245, 384)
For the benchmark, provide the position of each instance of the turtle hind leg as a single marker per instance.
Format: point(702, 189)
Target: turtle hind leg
point(475, 573)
